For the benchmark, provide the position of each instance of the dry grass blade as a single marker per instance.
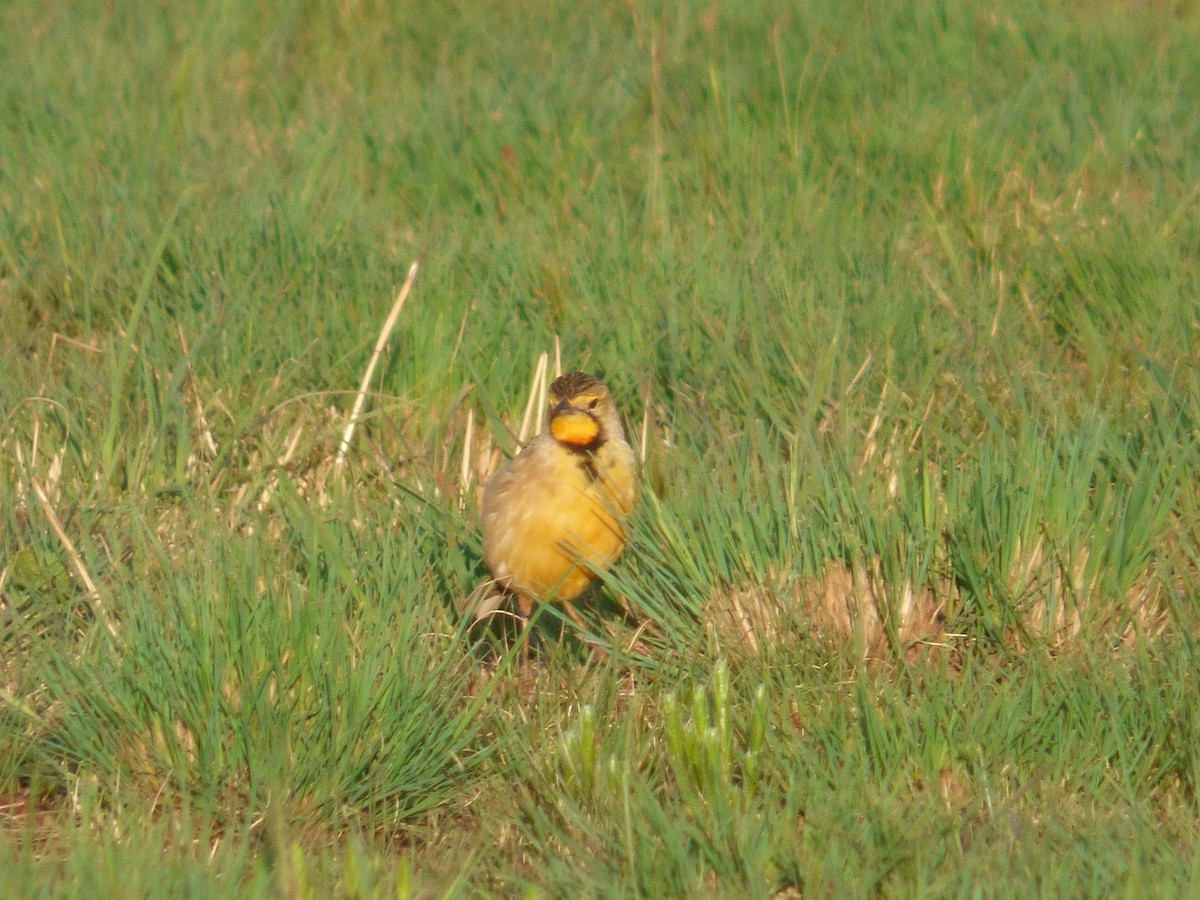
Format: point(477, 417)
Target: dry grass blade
point(645, 432)
point(206, 434)
point(77, 564)
point(537, 400)
point(384, 334)
point(464, 481)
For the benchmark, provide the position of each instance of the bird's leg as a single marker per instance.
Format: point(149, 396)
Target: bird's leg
point(575, 617)
point(574, 614)
point(525, 610)
point(524, 649)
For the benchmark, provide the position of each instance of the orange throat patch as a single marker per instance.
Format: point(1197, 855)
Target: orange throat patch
point(574, 428)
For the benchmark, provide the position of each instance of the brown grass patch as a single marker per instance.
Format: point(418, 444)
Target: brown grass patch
point(854, 606)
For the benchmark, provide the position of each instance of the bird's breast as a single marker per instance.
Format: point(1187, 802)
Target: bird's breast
point(549, 522)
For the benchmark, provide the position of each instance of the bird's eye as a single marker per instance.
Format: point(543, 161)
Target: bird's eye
point(593, 403)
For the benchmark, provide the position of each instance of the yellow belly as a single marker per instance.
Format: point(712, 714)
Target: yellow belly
point(548, 525)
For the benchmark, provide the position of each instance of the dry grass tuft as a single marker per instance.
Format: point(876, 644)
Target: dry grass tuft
point(846, 605)
point(854, 606)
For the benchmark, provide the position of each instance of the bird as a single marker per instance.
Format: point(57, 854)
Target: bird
point(556, 514)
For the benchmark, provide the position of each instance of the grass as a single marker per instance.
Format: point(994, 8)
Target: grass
point(904, 297)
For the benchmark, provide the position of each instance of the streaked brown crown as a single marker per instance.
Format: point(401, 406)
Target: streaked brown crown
point(567, 387)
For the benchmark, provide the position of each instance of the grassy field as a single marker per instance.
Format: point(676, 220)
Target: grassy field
point(901, 304)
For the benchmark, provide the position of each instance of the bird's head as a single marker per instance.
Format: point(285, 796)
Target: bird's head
point(582, 413)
